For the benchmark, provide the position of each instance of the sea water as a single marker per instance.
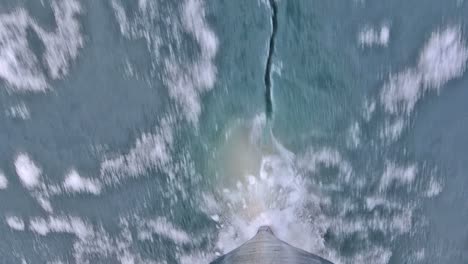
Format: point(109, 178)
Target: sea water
point(157, 131)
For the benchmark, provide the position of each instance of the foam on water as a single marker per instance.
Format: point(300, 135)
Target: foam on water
point(15, 223)
point(101, 245)
point(18, 64)
point(186, 80)
point(150, 151)
point(91, 241)
point(75, 183)
point(162, 227)
point(272, 198)
point(369, 36)
point(20, 67)
point(282, 193)
point(19, 111)
point(308, 196)
point(442, 59)
point(63, 44)
point(434, 189)
point(397, 174)
point(392, 130)
point(27, 171)
point(3, 181)
point(354, 139)
point(30, 176)
point(61, 224)
point(186, 86)
point(368, 109)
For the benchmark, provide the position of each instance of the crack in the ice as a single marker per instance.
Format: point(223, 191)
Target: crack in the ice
point(268, 86)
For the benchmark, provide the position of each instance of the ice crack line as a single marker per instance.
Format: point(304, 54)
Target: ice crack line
point(271, 50)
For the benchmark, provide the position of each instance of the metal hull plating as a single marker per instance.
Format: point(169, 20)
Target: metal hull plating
point(266, 248)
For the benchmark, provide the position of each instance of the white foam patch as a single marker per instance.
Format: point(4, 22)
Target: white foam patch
point(150, 151)
point(369, 109)
point(19, 111)
point(30, 176)
point(15, 223)
point(282, 199)
point(401, 92)
point(160, 226)
point(420, 255)
point(442, 59)
point(370, 36)
point(19, 66)
point(3, 181)
point(354, 133)
point(61, 224)
point(379, 255)
point(198, 257)
point(373, 202)
point(284, 194)
point(75, 183)
point(186, 86)
point(56, 261)
point(27, 171)
point(435, 188)
point(397, 174)
point(392, 129)
point(43, 200)
point(326, 157)
point(63, 44)
point(392, 226)
point(116, 248)
point(186, 81)
point(121, 17)
point(276, 198)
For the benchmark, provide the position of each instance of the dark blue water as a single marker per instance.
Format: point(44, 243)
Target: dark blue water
point(157, 131)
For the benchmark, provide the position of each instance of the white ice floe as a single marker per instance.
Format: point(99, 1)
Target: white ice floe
point(27, 171)
point(75, 183)
point(15, 223)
